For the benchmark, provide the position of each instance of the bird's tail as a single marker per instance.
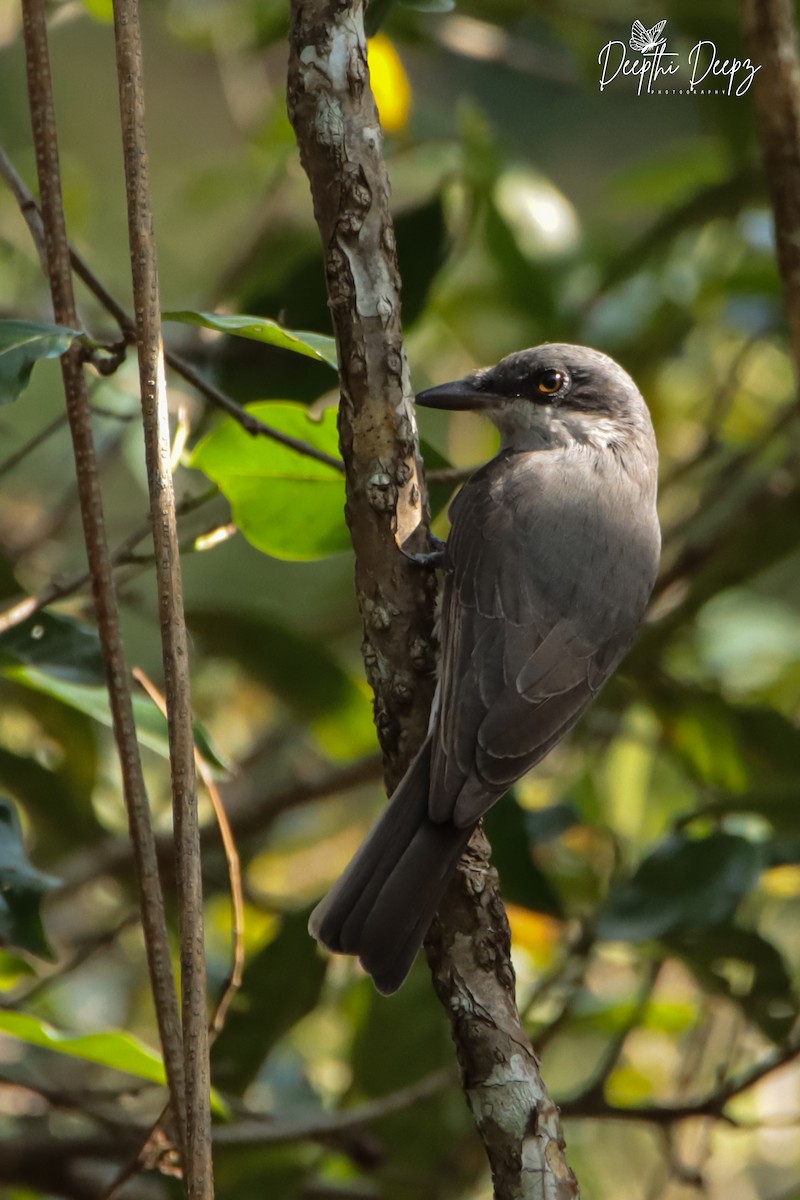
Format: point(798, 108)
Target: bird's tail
point(382, 906)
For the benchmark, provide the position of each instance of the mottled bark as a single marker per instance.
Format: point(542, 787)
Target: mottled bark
point(469, 953)
point(334, 115)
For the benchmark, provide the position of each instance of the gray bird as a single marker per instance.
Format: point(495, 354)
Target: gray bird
point(551, 559)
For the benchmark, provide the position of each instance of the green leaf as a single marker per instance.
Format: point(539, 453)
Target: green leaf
point(22, 344)
point(113, 1048)
point(151, 726)
point(281, 984)
point(56, 644)
point(286, 504)
point(55, 790)
point(667, 1016)
point(686, 883)
point(61, 656)
point(260, 329)
point(100, 10)
point(13, 969)
point(745, 967)
point(21, 889)
point(705, 736)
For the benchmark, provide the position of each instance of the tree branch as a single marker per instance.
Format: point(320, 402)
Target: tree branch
point(91, 506)
point(334, 115)
point(324, 1125)
point(469, 952)
point(770, 35)
point(339, 136)
point(174, 641)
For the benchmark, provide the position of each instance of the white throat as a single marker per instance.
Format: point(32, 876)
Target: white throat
point(542, 427)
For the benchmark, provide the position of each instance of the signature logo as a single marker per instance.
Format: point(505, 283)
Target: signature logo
point(646, 40)
point(661, 72)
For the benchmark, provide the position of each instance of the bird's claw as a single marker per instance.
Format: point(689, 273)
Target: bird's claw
point(433, 557)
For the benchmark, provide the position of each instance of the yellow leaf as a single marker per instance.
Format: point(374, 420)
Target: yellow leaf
point(390, 84)
point(783, 881)
point(535, 932)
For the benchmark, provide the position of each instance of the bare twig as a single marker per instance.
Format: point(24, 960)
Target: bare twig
point(270, 1132)
point(84, 952)
point(251, 424)
point(175, 650)
point(234, 981)
point(141, 1159)
point(770, 34)
point(60, 277)
point(592, 1104)
point(248, 422)
point(338, 132)
point(59, 589)
point(33, 443)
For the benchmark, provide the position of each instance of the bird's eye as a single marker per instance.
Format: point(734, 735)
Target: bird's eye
point(550, 382)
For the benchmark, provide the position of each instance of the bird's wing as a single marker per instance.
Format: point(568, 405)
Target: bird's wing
point(520, 660)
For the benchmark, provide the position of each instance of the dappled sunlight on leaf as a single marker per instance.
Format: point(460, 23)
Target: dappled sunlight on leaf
point(285, 503)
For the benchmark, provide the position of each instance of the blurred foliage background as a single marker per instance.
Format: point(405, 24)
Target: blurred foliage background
point(651, 864)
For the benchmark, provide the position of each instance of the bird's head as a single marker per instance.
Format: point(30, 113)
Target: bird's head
point(551, 395)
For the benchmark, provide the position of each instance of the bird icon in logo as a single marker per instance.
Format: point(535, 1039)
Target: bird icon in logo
point(646, 40)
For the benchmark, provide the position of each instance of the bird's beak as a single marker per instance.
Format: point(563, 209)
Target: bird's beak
point(455, 396)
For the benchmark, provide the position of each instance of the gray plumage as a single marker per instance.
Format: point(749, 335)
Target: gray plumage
point(551, 559)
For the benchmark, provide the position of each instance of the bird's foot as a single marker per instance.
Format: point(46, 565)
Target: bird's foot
point(432, 557)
